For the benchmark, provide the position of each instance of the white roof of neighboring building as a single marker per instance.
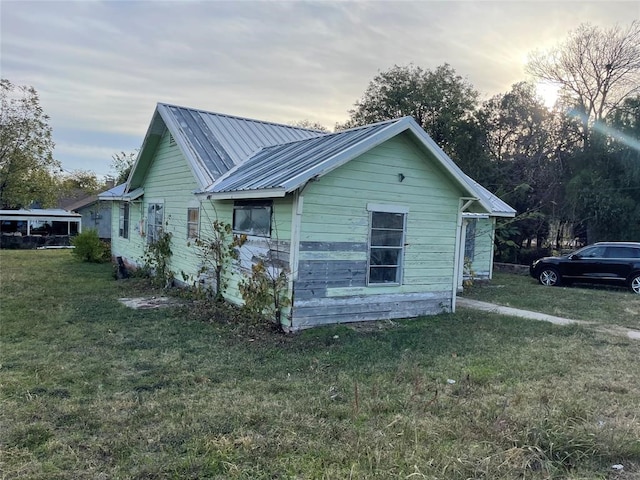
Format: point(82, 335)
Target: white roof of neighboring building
point(55, 214)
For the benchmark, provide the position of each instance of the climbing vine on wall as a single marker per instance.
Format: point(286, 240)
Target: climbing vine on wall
point(156, 259)
point(217, 251)
point(264, 291)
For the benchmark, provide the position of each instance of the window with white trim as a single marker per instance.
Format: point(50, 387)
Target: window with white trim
point(386, 247)
point(155, 220)
point(252, 217)
point(123, 220)
point(193, 222)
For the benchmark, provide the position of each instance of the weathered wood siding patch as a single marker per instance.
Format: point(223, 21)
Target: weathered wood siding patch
point(325, 265)
point(371, 307)
point(316, 276)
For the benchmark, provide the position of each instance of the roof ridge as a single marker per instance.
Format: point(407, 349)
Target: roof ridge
point(237, 117)
point(327, 134)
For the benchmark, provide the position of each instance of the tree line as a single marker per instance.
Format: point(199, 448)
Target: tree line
point(572, 171)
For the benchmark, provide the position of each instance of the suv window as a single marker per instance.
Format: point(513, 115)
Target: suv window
point(592, 252)
point(623, 252)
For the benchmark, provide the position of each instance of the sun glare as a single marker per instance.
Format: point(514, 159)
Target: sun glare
point(548, 92)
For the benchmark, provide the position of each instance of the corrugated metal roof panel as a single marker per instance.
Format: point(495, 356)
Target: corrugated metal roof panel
point(277, 167)
point(219, 142)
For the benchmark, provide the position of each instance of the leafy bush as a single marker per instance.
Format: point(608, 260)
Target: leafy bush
point(89, 247)
point(156, 259)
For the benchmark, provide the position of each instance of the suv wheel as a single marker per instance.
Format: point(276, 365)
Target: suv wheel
point(635, 283)
point(549, 277)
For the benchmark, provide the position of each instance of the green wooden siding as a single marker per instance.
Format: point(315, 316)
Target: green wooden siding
point(336, 214)
point(334, 233)
point(483, 251)
point(169, 180)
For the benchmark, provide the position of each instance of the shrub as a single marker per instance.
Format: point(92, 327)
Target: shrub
point(89, 247)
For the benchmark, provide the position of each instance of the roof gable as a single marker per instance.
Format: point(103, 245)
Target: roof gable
point(212, 143)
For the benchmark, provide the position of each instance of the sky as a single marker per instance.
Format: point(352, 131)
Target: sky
point(100, 67)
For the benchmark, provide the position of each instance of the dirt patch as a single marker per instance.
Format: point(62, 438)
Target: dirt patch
point(140, 303)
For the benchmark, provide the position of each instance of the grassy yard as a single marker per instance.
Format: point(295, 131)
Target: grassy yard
point(594, 303)
point(93, 390)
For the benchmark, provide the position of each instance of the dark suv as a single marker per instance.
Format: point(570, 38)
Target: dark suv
point(605, 262)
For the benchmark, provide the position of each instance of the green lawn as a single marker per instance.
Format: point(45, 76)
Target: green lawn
point(93, 390)
point(594, 303)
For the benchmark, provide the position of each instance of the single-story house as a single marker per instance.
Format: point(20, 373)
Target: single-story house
point(38, 227)
point(366, 223)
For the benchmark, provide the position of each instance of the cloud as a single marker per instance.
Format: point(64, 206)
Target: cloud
point(101, 66)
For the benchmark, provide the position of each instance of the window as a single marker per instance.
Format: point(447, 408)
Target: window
point(623, 252)
point(592, 252)
point(386, 247)
point(123, 220)
point(193, 222)
point(470, 239)
point(155, 217)
point(252, 217)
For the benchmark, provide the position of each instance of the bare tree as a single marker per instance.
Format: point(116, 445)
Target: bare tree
point(122, 163)
point(597, 68)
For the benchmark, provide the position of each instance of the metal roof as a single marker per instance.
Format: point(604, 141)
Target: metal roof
point(114, 193)
point(235, 157)
point(216, 143)
point(285, 167)
point(278, 170)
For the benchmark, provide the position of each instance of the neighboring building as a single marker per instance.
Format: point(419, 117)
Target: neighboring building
point(38, 227)
point(96, 215)
point(368, 222)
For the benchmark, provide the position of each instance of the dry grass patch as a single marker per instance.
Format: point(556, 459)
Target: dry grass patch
point(91, 389)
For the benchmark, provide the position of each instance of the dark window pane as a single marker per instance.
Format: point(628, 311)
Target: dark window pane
point(252, 219)
point(391, 238)
point(387, 220)
point(242, 220)
point(385, 256)
point(261, 220)
point(383, 275)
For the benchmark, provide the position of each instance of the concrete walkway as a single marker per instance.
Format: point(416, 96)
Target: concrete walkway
point(515, 312)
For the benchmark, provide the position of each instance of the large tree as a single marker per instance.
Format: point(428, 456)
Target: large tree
point(597, 69)
point(439, 100)
point(605, 195)
point(26, 146)
point(522, 143)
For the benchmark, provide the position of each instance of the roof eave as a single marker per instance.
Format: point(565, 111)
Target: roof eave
point(244, 194)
